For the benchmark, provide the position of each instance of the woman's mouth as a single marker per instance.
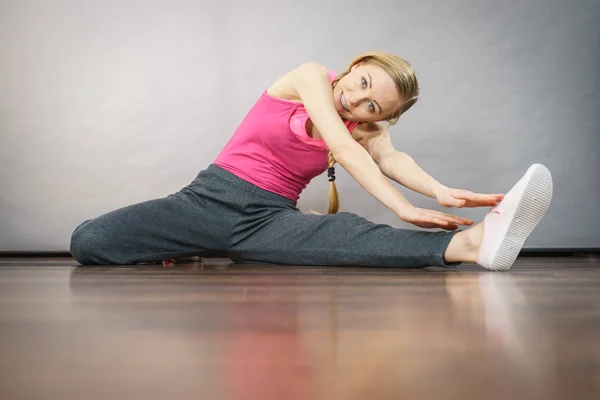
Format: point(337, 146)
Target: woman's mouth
point(343, 103)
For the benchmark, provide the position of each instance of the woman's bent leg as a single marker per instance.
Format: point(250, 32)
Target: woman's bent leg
point(194, 221)
point(151, 231)
point(295, 238)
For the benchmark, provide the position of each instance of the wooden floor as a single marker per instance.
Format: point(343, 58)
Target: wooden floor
point(214, 330)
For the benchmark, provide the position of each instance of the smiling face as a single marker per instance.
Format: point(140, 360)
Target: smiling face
point(366, 94)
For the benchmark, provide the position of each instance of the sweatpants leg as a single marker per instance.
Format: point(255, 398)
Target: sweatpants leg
point(295, 238)
point(194, 221)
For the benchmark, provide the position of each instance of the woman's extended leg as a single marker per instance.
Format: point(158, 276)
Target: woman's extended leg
point(194, 221)
point(291, 237)
point(294, 238)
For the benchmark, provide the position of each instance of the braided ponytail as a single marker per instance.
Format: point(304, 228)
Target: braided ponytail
point(334, 202)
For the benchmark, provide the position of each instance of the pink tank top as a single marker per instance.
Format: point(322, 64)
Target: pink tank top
point(272, 150)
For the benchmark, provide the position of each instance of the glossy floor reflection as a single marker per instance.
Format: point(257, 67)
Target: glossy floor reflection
point(219, 331)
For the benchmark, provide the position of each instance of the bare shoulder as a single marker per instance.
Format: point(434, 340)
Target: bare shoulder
point(374, 137)
point(286, 86)
point(367, 131)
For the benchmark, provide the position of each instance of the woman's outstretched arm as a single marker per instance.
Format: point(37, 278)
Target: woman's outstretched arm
point(402, 168)
point(312, 85)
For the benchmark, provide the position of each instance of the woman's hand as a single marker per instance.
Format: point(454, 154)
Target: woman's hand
point(448, 197)
point(431, 219)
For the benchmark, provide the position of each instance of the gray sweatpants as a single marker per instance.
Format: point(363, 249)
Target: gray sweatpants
point(221, 215)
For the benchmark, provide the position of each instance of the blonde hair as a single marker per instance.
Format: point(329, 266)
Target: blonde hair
point(406, 82)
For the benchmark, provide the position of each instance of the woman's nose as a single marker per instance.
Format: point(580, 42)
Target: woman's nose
point(353, 99)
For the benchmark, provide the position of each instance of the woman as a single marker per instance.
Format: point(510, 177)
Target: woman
point(243, 206)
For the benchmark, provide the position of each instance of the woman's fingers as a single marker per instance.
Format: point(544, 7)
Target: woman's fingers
point(450, 218)
point(436, 219)
point(475, 199)
point(443, 220)
point(444, 224)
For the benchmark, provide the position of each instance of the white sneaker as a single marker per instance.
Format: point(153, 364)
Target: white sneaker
point(507, 226)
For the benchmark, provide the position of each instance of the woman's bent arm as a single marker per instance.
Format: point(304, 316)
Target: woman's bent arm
point(313, 86)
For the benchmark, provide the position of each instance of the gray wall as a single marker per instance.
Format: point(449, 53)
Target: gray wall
point(108, 103)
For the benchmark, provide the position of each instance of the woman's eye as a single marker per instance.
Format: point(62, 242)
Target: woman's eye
point(364, 83)
point(371, 106)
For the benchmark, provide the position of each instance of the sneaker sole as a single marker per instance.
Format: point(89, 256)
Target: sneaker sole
point(531, 208)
